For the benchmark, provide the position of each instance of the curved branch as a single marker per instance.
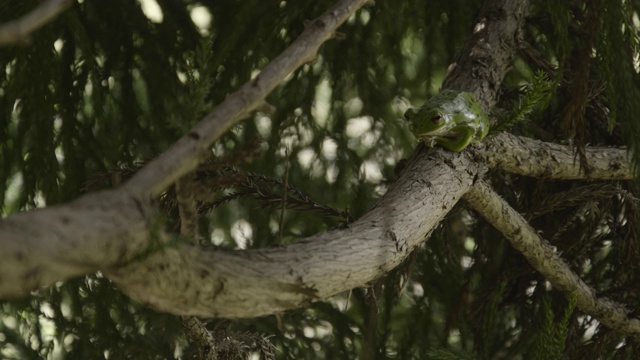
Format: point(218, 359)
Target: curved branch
point(187, 280)
point(195, 329)
point(53, 244)
point(546, 260)
point(18, 31)
point(106, 229)
point(529, 157)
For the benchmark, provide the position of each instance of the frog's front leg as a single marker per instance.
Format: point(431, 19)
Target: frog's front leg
point(460, 137)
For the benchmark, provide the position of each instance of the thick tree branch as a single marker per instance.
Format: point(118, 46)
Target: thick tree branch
point(529, 157)
point(18, 31)
point(486, 56)
point(547, 261)
point(186, 280)
point(53, 244)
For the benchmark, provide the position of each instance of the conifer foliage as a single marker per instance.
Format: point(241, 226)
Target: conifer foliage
point(524, 245)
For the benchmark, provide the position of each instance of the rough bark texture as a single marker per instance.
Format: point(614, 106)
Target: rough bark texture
point(529, 157)
point(103, 231)
point(44, 246)
point(109, 228)
point(486, 56)
point(187, 280)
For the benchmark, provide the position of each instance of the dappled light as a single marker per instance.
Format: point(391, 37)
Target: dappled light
point(298, 180)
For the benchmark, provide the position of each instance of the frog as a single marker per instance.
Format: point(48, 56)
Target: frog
point(452, 118)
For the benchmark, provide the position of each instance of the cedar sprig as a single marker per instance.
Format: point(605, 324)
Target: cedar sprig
point(111, 178)
point(239, 345)
point(261, 187)
point(210, 169)
point(296, 199)
point(575, 197)
point(537, 95)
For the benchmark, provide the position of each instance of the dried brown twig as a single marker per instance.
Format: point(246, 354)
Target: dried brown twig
point(575, 197)
point(268, 191)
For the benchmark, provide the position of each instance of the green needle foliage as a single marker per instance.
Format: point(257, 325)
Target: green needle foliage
point(551, 340)
point(537, 95)
point(105, 87)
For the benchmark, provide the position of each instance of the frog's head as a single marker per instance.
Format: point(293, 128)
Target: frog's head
point(427, 121)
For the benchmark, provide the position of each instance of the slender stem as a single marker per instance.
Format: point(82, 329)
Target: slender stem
point(193, 148)
point(544, 258)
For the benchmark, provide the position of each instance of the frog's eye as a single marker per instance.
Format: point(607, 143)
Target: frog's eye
point(436, 119)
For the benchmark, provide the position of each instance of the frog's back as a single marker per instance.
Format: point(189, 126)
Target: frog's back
point(452, 101)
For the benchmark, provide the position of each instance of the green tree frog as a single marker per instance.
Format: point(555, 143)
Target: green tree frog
point(452, 118)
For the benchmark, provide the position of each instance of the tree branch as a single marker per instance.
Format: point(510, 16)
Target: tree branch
point(488, 53)
point(529, 157)
point(194, 328)
point(53, 244)
point(187, 207)
point(186, 280)
point(19, 31)
point(197, 331)
point(546, 260)
point(193, 147)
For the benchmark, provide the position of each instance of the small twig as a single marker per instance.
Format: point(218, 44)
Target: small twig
point(296, 198)
point(19, 30)
point(193, 148)
point(370, 332)
point(346, 303)
point(285, 185)
point(252, 184)
point(547, 261)
point(574, 197)
point(197, 331)
point(187, 207)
